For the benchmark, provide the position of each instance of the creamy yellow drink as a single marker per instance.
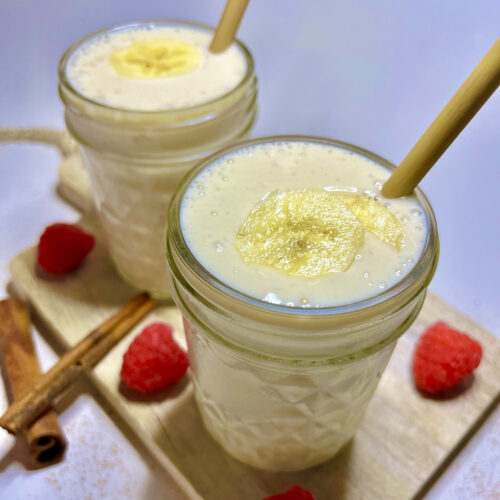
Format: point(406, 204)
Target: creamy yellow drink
point(155, 67)
point(295, 278)
point(311, 193)
point(146, 101)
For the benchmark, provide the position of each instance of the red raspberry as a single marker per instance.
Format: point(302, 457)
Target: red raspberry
point(153, 360)
point(294, 493)
point(63, 247)
point(443, 358)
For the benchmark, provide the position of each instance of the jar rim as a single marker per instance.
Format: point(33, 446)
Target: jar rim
point(417, 279)
point(199, 108)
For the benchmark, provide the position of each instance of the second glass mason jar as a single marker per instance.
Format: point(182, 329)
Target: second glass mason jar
point(284, 388)
point(135, 159)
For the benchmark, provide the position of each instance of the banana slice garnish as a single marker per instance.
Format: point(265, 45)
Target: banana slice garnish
point(306, 233)
point(376, 218)
point(156, 58)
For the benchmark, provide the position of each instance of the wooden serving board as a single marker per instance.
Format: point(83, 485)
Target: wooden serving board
point(404, 442)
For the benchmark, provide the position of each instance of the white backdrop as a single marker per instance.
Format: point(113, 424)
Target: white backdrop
point(371, 73)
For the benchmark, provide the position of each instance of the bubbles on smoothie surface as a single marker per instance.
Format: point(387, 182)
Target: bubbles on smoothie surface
point(283, 243)
point(154, 67)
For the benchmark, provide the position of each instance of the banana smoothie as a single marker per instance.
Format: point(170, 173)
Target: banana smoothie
point(154, 67)
point(295, 278)
point(145, 102)
point(296, 182)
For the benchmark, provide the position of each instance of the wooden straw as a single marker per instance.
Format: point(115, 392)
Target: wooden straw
point(467, 101)
point(46, 442)
point(228, 25)
point(83, 356)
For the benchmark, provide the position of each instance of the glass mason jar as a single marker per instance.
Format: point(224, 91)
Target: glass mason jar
point(284, 388)
point(135, 159)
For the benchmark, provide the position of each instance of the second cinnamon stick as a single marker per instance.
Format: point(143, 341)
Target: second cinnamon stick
point(84, 355)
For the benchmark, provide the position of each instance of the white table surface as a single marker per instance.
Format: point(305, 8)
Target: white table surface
point(371, 73)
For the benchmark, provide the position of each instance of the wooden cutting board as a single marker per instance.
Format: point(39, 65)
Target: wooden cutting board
point(404, 442)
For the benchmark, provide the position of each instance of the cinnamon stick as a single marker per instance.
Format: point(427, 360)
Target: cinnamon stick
point(46, 442)
point(84, 355)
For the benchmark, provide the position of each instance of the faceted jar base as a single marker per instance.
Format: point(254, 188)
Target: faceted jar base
point(280, 417)
point(294, 459)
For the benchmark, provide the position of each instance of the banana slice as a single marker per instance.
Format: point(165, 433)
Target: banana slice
point(376, 218)
point(156, 58)
point(307, 233)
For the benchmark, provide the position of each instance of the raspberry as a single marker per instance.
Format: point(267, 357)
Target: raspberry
point(443, 358)
point(294, 493)
point(153, 360)
point(62, 248)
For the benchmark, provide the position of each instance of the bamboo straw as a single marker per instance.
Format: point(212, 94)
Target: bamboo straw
point(45, 439)
point(84, 355)
point(474, 92)
point(228, 25)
